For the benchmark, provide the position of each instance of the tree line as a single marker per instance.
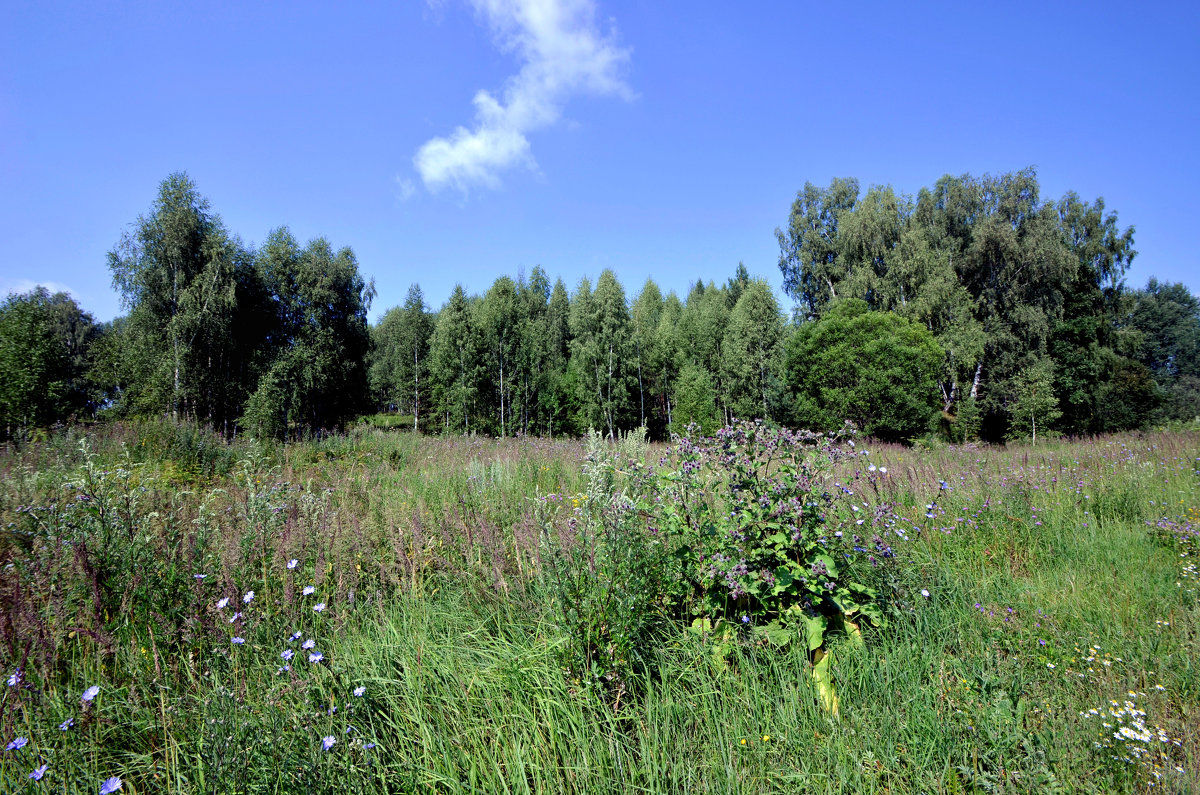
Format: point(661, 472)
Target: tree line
point(974, 311)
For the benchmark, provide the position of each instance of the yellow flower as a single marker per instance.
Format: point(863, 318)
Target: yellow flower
point(766, 737)
point(743, 741)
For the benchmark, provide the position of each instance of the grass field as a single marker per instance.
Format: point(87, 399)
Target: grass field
point(1041, 632)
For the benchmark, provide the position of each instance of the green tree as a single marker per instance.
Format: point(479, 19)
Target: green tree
point(875, 369)
point(600, 331)
point(809, 249)
point(317, 375)
point(455, 362)
point(33, 364)
point(412, 349)
point(645, 317)
point(178, 271)
point(500, 323)
point(700, 335)
point(752, 352)
point(694, 401)
point(1033, 400)
point(1166, 318)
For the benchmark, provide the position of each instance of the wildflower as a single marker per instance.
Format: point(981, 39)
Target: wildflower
point(199, 576)
point(17, 744)
point(237, 641)
point(308, 590)
point(766, 737)
point(316, 657)
point(234, 617)
point(110, 785)
point(38, 772)
point(66, 724)
point(327, 742)
point(91, 693)
point(369, 746)
point(743, 741)
point(283, 669)
point(221, 605)
point(745, 619)
point(308, 644)
point(293, 563)
point(317, 608)
point(359, 691)
point(249, 597)
point(287, 654)
point(925, 592)
point(14, 678)
point(295, 636)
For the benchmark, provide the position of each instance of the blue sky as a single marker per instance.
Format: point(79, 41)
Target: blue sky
point(663, 140)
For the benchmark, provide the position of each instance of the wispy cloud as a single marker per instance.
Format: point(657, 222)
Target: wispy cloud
point(405, 188)
point(562, 54)
point(23, 286)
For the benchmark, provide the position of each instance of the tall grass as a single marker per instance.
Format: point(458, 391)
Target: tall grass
point(1036, 584)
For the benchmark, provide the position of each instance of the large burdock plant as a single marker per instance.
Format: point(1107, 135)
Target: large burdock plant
point(767, 539)
point(756, 533)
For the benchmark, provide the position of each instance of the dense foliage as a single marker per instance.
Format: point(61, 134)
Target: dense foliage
point(980, 311)
point(1009, 285)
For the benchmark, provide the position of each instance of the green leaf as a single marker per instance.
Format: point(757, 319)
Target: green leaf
point(814, 631)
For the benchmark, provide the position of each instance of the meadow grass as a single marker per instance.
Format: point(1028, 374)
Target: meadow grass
point(1035, 584)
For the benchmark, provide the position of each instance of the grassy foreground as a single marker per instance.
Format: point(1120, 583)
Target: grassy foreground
point(1043, 635)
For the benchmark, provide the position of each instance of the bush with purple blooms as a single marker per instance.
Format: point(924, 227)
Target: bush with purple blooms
point(762, 535)
point(745, 530)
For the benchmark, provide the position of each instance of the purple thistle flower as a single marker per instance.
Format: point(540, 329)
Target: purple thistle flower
point(327, 742)
point(17, 744)
point(38, 772)
point(90, 693)
point(110, 785)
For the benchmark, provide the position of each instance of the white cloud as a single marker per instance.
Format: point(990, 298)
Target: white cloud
point(562, 54)
point(405, 189)
point(23, 286)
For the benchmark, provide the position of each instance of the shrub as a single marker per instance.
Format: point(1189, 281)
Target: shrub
point(747, 532)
